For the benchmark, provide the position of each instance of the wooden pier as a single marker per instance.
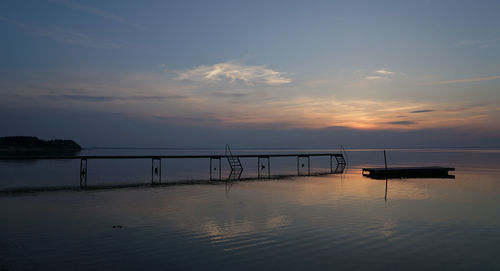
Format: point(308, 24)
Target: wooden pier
point(233, 160)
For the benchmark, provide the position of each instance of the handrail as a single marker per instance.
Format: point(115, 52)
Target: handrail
point(228, 150)
point(342, 150)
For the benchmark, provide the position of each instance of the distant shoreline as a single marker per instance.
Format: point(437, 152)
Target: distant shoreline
point(23, 145)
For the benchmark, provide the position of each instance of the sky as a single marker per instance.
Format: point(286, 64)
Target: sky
point(252, 73)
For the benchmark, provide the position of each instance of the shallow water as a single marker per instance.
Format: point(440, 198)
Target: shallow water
point(340, 222)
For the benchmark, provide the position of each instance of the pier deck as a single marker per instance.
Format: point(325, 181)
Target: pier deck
point(216, 156)
point(215, 167)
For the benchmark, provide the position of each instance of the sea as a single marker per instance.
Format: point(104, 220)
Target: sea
point(281, 221)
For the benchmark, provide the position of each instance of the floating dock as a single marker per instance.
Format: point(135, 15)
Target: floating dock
point(408, 172)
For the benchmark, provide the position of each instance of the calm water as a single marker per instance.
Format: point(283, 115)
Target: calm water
point(339, 222)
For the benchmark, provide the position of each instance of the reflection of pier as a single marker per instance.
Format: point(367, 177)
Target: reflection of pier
point(263, 170)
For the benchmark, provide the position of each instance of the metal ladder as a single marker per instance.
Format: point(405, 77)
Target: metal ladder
point(234, 163)
point(340, 159)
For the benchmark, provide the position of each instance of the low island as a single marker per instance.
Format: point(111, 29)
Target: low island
point(30, 145)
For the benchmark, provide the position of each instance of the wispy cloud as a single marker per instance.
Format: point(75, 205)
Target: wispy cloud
point(377, 75)
point(233, 72)
point(374, 77)
point(101, 13)
point(403, 122)
point(188, 119)
point(467, 80)
point(67, 35)
point(384, 72)
point(95, 98)
point(228, 94)
point(481, 43)
point(422, 111)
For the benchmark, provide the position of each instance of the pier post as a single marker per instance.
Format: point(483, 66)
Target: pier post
point(301, 164)
point(155, 170)
point(331, 164)
point(159, 162)
point(83, 172)
point(269, 167)
point(211, 167)
point(308, 166)
point(258, 167)
point(298, 168)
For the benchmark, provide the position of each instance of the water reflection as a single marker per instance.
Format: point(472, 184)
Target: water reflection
point(294, 223)
point(386, 184)
point(407, 176)
point(298, 223)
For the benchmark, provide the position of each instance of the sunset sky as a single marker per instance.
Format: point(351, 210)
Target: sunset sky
point(252, 73)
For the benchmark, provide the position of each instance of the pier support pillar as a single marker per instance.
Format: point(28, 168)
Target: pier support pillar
point(215, 168)
point(269, 167)
point(298, 168)
point(261, 166)
point(155, 170)
point(308, 164)
point(258, 167)
point(331, 164)
point(83, 172)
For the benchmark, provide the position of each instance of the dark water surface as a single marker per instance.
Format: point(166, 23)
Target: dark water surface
point(335, 222)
